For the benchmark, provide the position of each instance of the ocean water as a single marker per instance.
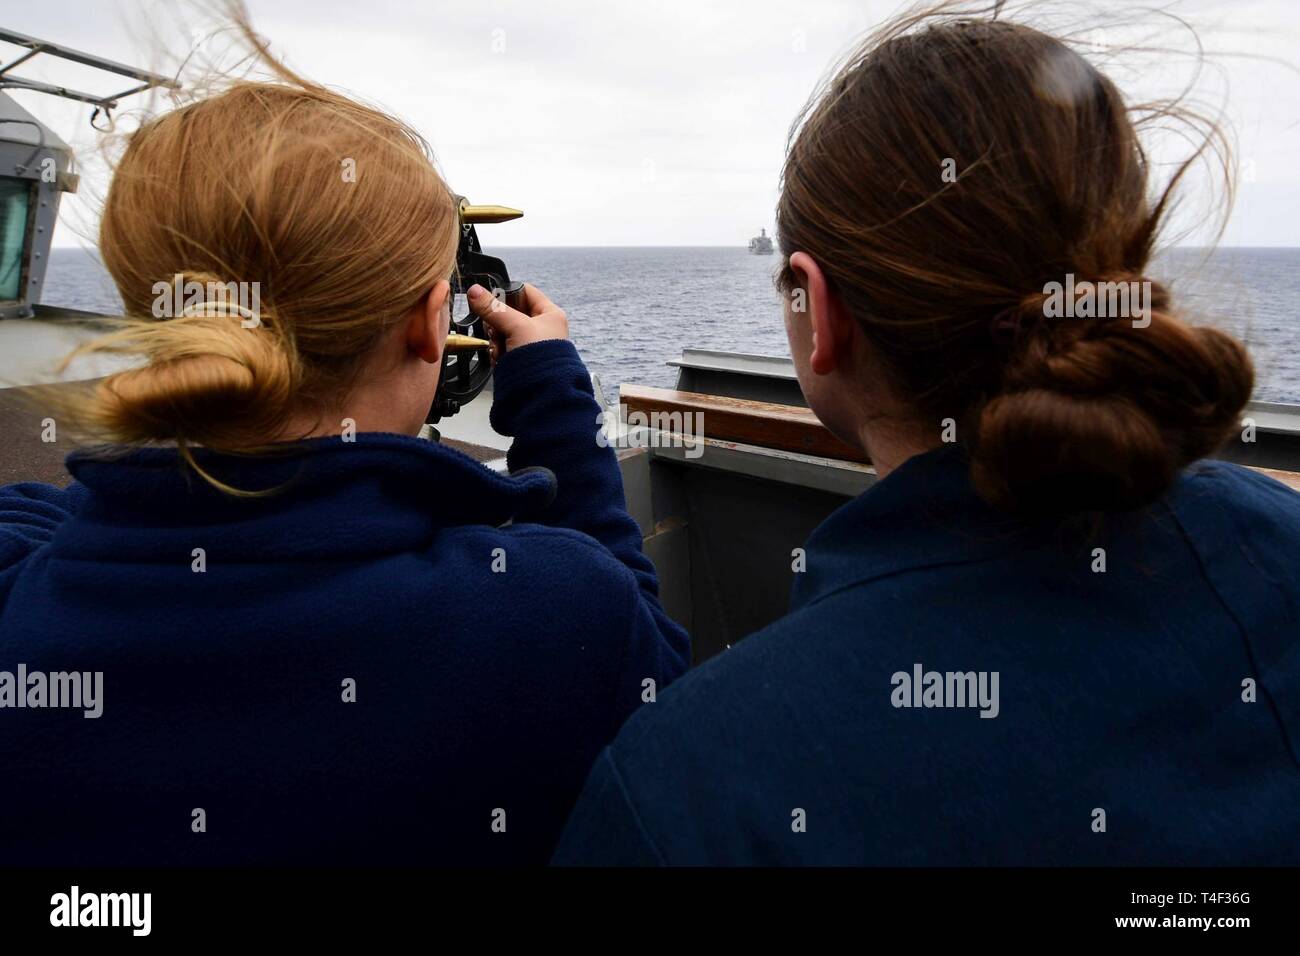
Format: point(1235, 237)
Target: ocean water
point(633, 309)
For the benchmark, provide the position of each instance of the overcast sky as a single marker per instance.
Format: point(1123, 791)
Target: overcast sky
point(660, 122)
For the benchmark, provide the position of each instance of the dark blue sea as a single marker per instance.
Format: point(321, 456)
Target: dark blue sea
point(632, 309)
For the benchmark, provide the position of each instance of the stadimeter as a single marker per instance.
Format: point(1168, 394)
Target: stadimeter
point(467, 355)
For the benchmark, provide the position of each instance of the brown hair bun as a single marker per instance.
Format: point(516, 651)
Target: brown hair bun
point(1103, 413)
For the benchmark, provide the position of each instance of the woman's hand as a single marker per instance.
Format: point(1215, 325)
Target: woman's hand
point(511, 328)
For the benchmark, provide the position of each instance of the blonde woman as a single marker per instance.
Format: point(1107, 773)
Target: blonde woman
point(304, 645)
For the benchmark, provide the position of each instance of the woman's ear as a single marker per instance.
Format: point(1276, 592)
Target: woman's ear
point(832, 328)
point(428, 323)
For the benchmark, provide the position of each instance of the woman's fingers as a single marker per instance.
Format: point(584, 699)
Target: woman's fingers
point(513, 328)
point(536, 302)
point(498, 316)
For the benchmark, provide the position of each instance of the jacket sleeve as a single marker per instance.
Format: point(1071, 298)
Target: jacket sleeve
point(30, 513)
point(544, 400)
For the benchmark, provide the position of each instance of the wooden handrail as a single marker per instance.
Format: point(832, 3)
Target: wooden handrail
point(742, 420)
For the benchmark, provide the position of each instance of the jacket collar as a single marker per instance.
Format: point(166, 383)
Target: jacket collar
point(924, 513)
point(328, 498)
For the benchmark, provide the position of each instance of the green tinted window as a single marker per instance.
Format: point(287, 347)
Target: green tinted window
point(15, 200)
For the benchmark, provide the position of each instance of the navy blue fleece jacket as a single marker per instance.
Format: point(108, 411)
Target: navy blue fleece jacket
point(1124, 693)
point(494, 630)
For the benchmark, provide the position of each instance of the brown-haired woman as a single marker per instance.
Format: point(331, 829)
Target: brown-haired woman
point(310, 636)
point(1051, 633)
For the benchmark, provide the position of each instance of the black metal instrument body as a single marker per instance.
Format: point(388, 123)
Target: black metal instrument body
point(466, 370)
